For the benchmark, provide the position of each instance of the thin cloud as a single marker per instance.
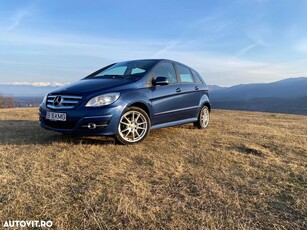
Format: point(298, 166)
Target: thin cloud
point(245, 49)
point(260, 34)
point(20, 14)
point(169, 46)
point(17, 18)
point(257, 40)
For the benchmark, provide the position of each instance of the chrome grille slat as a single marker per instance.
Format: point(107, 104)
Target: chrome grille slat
point(73, 97)
point(67, 102)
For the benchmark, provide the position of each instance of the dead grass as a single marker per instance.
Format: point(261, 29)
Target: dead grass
point(246, 171)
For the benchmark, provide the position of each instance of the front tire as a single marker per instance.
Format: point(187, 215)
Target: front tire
point(133, 126)
point(203, 118)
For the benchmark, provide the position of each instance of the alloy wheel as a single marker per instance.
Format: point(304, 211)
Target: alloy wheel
point(133, 126)
point(205, 116)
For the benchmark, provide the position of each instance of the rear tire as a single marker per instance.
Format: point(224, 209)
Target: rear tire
point(203, 118)
point(133, 126)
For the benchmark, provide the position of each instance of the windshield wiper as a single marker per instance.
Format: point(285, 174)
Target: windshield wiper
point(131, 76)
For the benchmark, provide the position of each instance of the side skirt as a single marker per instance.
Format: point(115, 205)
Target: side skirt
point(174, 123)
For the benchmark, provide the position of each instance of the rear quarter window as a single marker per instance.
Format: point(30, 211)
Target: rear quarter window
point(197, 77)
point(185, 74)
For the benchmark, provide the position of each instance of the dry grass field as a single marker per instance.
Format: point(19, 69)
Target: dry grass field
point(248, 170)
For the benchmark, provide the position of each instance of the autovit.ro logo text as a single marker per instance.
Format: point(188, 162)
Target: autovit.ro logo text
point(27, 224)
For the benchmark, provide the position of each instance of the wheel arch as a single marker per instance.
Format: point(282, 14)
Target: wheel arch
point(205, 101)
point(141, 105)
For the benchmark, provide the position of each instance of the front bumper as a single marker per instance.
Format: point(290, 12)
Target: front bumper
point(106, 120)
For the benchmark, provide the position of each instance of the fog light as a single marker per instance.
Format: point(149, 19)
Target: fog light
point(91, 125)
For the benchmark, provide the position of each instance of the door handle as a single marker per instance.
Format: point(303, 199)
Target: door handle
point(196, 88)
point(178, 90)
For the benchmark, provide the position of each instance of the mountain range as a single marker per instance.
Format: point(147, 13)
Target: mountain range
point(285, 96)
point(28, 89)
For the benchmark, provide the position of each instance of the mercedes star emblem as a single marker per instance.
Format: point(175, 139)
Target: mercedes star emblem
point(57, 100)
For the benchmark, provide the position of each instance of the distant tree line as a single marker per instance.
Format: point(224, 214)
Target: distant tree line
point(7, 101)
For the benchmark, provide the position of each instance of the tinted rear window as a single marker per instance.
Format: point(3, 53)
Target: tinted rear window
point(197, 77)
point(184, 73)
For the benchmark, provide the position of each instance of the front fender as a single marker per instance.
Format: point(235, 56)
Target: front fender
point(139, 98)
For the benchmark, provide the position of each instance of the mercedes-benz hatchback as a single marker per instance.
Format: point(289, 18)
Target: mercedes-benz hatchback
point(127, 99)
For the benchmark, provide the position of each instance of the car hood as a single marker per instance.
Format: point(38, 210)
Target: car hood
point(91, 86)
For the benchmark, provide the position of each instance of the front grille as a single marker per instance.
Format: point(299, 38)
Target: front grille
point(63, 101)
point(61, 124)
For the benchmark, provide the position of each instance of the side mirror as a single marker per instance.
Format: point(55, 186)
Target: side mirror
point(160, 81)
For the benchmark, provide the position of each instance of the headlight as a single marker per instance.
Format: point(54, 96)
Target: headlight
point(101, 100)
point(45, 99)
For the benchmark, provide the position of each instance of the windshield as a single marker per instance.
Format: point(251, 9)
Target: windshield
point(124, 69)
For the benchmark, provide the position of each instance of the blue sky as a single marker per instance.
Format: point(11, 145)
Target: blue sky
point(228, 42)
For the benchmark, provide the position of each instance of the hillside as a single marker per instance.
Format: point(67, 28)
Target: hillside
point(246, 171)
point(274, 105)
point(288, 88)
point(285, 96)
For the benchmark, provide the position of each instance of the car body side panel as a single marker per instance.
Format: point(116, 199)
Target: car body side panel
point(190, 99)
point(166, 103)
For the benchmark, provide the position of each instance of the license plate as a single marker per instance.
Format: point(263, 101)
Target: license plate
point(56, 116)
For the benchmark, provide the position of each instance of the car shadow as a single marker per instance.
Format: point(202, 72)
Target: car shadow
point(27, 132)
point(185, 126)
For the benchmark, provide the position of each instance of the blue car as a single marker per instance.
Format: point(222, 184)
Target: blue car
point(127, 99)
